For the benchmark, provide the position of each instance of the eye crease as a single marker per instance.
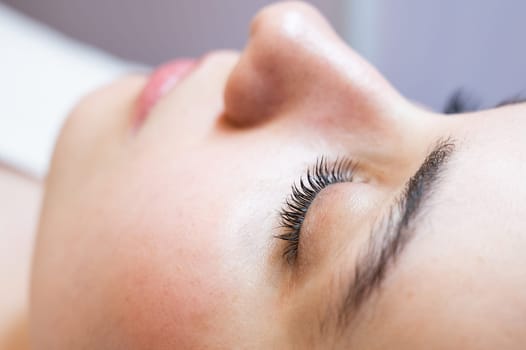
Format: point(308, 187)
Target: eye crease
point(303, 193)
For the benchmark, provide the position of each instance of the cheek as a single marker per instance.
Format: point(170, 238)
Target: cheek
point(169, 286)
point(165, 294)
point(118, 264)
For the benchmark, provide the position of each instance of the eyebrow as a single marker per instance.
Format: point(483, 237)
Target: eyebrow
point(389, 238)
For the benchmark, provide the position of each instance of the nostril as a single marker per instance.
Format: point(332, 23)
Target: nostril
point(249, 98)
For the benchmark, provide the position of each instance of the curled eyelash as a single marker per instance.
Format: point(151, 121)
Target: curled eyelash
point(292, 215)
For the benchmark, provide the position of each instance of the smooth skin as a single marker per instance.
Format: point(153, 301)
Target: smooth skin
point(19, 205)
point(164, 237)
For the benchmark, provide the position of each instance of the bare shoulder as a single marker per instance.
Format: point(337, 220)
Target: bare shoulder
point(20, 198)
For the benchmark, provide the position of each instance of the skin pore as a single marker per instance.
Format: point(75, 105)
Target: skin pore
point(165, 236)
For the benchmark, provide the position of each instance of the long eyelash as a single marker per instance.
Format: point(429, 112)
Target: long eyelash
point(292, 215)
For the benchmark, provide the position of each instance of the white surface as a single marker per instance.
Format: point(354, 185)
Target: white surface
point(42, 76)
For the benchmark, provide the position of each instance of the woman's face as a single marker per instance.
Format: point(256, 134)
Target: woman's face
point(171, 229)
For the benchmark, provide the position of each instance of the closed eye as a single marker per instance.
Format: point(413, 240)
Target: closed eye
point(303, 193)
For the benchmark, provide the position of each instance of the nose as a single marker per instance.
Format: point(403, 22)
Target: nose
point(294, 61)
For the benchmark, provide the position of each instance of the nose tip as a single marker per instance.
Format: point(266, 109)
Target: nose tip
point(273, 62)
point(288, 18)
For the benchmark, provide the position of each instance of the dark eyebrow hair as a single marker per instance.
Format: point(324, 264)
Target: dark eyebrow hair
point(389, 238)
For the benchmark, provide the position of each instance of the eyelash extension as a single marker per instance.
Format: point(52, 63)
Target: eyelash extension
point(293, 213)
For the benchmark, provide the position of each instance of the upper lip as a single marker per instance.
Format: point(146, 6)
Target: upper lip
point(161, 81)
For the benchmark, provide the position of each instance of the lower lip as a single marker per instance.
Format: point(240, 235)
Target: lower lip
point(161, 81)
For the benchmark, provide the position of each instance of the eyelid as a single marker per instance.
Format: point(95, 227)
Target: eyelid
point(303, 193)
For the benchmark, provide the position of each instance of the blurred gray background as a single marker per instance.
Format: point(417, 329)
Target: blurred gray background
point(427, 49)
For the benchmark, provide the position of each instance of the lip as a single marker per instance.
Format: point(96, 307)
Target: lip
point(162, 80)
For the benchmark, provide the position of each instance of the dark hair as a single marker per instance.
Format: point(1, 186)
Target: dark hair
point(461, 101)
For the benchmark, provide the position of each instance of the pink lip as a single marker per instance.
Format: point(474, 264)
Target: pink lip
point(161, 81)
